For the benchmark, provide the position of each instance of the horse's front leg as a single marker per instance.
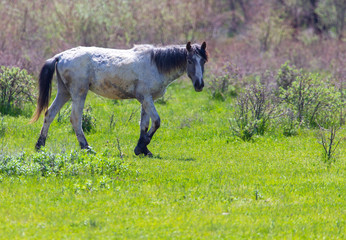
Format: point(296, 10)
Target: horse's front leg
point(143, 139)
point(148, 112)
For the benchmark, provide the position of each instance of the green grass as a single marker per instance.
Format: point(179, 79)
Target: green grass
point(202, 182)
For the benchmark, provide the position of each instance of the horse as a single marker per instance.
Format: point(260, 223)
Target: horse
point(142, 72)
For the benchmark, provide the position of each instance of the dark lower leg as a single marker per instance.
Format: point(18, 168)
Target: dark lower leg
point(82, 141)
point(142, 144)
point(61, 98)
point(148, 111)
point(40, 142)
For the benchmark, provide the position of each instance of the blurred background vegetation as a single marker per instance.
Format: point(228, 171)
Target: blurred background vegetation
point(256, 35)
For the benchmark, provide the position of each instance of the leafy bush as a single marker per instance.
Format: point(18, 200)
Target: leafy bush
point(2, 126)
point(15, 89)
point(88, 120)
point(64, 113)
point(286, 76)
point(71, 164)
point(224, 84)
point(253, 112)
point(289, 124)
point(308, 95)
point(164, 99)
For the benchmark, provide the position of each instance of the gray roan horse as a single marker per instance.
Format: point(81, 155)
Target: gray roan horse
point(143, 72)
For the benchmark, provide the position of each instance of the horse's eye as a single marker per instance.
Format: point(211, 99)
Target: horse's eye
point(189, 61)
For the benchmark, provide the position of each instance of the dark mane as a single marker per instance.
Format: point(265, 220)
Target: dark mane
point(168, 59)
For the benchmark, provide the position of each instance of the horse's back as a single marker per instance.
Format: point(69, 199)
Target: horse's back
point(112, 73)
point(93, 54)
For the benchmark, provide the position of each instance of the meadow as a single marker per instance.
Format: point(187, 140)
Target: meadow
point(241, 160)
point(202, 182)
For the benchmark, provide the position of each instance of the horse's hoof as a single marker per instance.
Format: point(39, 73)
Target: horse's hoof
point(40, 142)
point(89, 149)
point(137, 150)
point(149, 154)
point(144, 151)
point(37, 147)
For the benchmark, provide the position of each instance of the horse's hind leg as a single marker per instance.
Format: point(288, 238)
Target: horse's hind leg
point(61, 98)
point(76, 119)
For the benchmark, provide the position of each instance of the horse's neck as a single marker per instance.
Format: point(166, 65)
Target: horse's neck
point(174, 75)
point(170, 62)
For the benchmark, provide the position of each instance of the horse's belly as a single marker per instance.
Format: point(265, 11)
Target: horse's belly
point(114, 89)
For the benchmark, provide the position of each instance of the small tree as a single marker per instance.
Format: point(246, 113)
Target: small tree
point(15, 89)
point(329, 141)
point(330, 127)
point(306, 94)
point(254, 110)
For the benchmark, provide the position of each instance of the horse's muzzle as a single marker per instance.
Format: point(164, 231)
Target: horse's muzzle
point(198, 85)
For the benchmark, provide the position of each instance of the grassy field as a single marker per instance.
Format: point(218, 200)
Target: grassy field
point(202, 183)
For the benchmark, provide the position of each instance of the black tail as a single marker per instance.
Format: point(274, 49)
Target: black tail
point(45, 87)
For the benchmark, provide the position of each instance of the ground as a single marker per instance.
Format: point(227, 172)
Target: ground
point(202, 183)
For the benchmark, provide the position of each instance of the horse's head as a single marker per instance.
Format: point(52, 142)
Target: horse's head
point(197, 56)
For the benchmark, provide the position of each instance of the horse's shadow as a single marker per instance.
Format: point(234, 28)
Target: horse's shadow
point(186, 159)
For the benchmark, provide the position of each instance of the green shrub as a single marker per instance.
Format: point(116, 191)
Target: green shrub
point(16, 87)
point(88, 120)
point(64, 113)
point(224, 84)
point(66, 164)
point(286, 76)
point(2, 126)
point(164, 99)
point(289, 124)
point(308, 95)
point(253, 112)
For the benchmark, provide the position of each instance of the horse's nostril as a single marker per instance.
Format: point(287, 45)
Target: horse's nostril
point(199, 84)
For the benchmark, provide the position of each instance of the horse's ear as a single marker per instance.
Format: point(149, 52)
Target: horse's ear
point(188, 46)
point(204, 45)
